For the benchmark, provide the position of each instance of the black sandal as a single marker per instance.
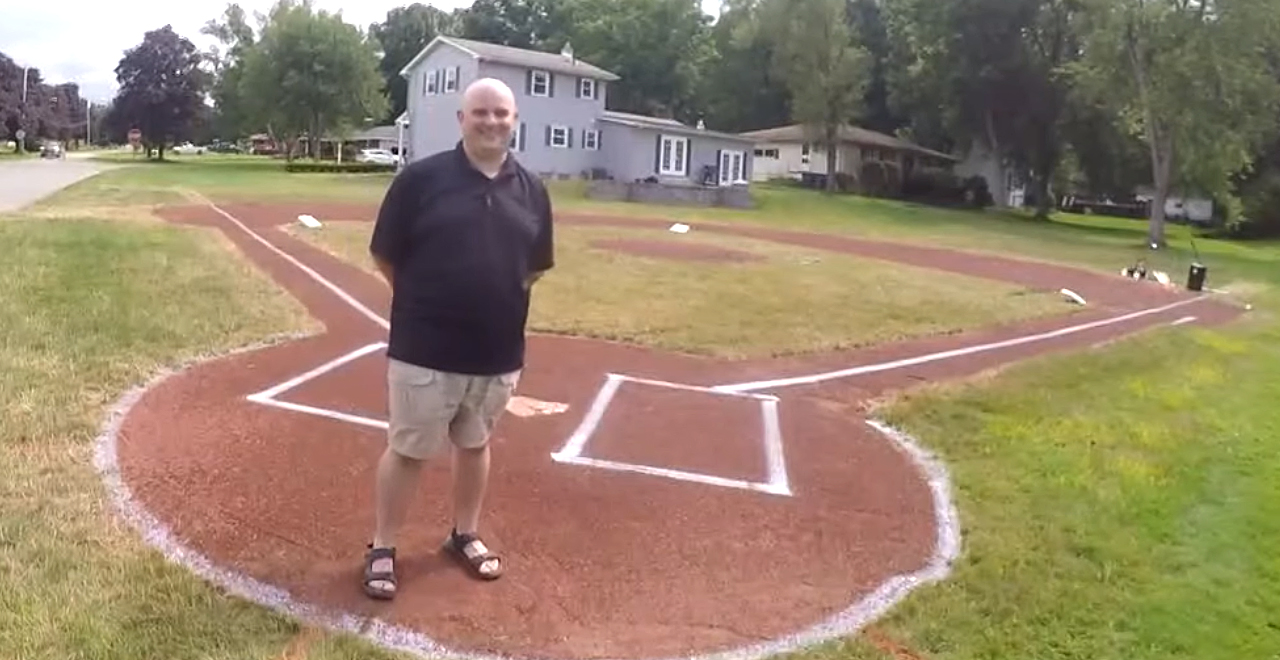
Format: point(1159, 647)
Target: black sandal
point(457, 544)
point(371, 576)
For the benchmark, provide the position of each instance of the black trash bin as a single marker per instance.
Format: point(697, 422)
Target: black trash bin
point(1195, 277)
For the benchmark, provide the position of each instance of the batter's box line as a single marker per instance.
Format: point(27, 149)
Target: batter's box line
point(777, 483)
point(270, 396)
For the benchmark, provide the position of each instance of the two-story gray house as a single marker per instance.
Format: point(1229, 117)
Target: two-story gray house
point(564, 129)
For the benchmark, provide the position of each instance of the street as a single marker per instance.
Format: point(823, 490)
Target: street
point(27, 180)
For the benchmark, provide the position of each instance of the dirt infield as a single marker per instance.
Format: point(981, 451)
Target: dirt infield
point(681, 506)
point(675, 250)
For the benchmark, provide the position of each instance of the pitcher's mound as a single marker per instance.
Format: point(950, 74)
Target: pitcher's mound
point(675, 250)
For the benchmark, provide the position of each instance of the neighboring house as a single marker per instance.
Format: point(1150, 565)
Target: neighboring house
point(1007, 185)
point(564, 130)
point(378, 137)
point(790, 152)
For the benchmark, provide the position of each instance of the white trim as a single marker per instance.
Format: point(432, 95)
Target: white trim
point(591, 139)
point(422, 54)
point(675, 151)
point(725, 175)
point(533, 84)
point(451, 79)
point(564, 134)
point(431, 86)
point(585, 84)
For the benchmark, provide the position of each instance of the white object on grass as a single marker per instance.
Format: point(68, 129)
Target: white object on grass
point(1072, 295)
point(680, 228)
point(309, 221)
point(1161, 276)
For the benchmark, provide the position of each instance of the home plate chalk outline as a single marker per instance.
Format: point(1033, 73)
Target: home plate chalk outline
point(771, 436)
point(571, 453)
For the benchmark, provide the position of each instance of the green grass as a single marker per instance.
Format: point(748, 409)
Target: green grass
point(1121, 503)
point(741, 310)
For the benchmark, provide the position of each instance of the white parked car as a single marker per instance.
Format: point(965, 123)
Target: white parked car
point(378, 156)
point(187, 148)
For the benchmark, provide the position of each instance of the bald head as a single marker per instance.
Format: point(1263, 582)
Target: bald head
point(488, 90)
point(487, 117)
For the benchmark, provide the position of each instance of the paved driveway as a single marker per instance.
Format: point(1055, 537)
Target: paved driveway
point(30, 179)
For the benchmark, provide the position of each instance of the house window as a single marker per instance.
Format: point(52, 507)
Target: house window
point(540, 84)
point(517, 138)
point(591, 139)
point(451, 79)
point(560, 137)
point(733, 167)
point(431, 82)
point(673, 155)
point(586, 88)
point(804, 153)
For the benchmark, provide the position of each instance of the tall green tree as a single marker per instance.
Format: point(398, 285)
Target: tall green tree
point(988, 72)
point(516, 23)
point(311, 73)
point(162, 88)
point(825, 68)
point(404, 33)
point(1193, 79)
point(741, 90)
point(660, 48)
point(236, 36)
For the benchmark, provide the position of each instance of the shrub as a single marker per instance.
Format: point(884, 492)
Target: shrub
point(338, 168)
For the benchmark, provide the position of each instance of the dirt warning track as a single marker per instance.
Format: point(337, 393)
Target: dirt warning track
point(680, 507)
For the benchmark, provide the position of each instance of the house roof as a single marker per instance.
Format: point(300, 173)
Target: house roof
point(850, 134)
point(388, 132)
point(534, 59)
point(666, 125)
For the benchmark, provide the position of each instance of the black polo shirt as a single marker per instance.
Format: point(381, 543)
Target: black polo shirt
point(461, 245)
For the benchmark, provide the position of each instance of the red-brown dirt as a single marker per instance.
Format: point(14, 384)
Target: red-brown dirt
point(668, 249)
point(600, 563)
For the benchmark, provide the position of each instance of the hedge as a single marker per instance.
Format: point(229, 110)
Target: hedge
point(338, 168)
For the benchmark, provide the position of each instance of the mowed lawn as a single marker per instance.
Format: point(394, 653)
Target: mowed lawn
point(1117, 503)
point(785, 300)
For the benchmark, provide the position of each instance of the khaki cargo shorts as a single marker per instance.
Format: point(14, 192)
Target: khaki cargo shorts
point(426, 406)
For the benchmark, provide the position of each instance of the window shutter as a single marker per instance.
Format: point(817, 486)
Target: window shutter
point(719, 165)
point(569, 135)
point(521, 140)
point(528, 82)
point(551, 84)
point(578, 89)
point(599, 139)
point(548, 135)
point(595, 89)
point(657, 154)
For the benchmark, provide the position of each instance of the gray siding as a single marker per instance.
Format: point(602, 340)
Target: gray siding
point(632, 153)
point(538, 114)
point(433, 118)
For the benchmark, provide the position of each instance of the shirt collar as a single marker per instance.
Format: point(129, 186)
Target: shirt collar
point(507, 169)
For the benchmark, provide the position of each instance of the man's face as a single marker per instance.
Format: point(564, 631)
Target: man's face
point(487, 120)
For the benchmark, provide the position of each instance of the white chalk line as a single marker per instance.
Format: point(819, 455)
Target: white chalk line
point(777, 482)
point(346, 297)
point(953, 353)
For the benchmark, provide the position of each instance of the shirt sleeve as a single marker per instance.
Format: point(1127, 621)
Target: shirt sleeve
point(391, 228)
point(543, 257)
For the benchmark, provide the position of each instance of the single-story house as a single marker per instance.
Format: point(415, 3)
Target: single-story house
point(564, 130)
point(791, 151)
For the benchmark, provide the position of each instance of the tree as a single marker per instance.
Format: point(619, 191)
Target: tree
point(1190, 77)
point(825, 69)
point(404, 33)
point(659, 48)
point(741, 90)
point(988, 72)
point(162, 87)
point(310, 73)
point(516, 23)
point(235, 34)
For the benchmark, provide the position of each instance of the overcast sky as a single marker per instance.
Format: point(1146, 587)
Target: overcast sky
point(81, 41)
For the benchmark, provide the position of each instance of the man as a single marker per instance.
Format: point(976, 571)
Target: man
point(460, 238)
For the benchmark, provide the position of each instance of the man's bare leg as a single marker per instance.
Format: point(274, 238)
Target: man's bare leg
point(397, 477)
point(470, 480)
